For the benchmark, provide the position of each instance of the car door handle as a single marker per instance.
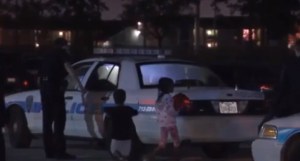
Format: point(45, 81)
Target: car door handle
point(68, 97)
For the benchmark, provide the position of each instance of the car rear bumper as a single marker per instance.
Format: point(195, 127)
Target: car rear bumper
point(266, 150)
point(229, 128)
point(201, 129)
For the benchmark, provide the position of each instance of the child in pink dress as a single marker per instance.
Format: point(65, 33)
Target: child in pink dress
point(166, 114)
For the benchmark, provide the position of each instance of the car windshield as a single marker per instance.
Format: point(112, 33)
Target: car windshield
point(183, 74)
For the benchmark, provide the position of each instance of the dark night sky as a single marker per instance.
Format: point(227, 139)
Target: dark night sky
point(115, 9)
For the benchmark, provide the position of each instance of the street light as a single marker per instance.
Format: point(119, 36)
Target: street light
point(141, 27)
point(139, 23)
point(136, 33)
point(60, 33)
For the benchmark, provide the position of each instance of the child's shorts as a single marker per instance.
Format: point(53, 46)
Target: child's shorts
point(121, 146)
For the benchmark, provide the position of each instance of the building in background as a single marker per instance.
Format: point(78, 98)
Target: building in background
point(226, 33)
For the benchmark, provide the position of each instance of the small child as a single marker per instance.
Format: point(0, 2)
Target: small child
point(122, 125)
point(166, 114)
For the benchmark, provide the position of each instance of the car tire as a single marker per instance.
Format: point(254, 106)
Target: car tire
point(17, 129)
point(292, 149)
point(137, 147)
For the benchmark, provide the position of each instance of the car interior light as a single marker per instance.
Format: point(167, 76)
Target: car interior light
point(269, 132)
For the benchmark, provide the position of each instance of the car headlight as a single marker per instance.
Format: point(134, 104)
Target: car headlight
point(268, 132)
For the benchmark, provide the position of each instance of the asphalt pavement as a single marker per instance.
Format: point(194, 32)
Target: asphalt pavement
point(91, 151)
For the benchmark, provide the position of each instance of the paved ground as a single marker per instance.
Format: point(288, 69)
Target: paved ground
point(87, 151)
point(83, 150)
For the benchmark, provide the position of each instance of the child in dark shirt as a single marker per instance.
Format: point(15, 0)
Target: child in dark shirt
point(122, 125)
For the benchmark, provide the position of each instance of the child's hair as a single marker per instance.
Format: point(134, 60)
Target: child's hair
point(119, 96)
point(165, 86)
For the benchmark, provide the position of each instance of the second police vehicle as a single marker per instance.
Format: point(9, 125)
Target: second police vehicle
point(278, 140)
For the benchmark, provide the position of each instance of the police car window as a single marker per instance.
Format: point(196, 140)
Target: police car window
point(113, 77)
point(103, 77)
point(182, 74)
point(80, 71)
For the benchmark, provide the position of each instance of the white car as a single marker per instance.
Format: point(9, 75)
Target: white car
point(279, 140)
point(220, 116)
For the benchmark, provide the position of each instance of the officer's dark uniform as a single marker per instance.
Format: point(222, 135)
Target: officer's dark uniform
point(52, 79)
point(287, 92)
point(2, 116)
point(288, 99)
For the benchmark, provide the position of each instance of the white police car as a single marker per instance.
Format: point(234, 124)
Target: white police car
point(279, 140)
point(219, 116)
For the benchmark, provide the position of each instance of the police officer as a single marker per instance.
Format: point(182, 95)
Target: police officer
point(286, 101)
point(288, 90)
point(2, 116)
point(52, 80)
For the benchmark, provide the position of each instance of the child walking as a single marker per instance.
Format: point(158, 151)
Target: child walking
point(166, 115)
point(122, 126)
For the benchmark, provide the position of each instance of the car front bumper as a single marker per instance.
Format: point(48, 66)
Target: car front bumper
point(266, 150)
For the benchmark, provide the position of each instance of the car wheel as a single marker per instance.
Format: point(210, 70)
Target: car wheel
point(17, 129)
point(292, 150)
point(219, 150)
point(137, 147)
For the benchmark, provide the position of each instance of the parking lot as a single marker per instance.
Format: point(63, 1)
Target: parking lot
point(89, 151)
point(85, 151)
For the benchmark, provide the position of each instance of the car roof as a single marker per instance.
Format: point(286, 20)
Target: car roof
point(136, 59)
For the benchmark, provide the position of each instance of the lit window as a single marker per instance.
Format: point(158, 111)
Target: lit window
point(37, 31)
point(211, 32)
point(258, 43)
point(212, 44)
point(106, 44)
point(246, 34)
point(209, 45)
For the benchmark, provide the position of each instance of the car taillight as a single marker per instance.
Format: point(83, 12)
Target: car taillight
point(265, 87)
point(25, 83)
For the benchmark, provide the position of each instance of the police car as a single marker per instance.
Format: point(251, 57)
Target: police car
point(216, 116)
point(279, 140)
